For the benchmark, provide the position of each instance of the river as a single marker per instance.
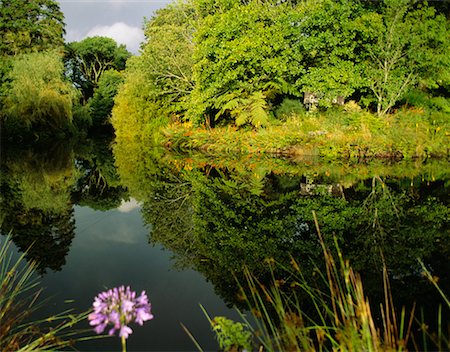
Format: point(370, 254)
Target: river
point(100, 214)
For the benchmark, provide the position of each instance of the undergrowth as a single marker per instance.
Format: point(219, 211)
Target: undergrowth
point(409, 133)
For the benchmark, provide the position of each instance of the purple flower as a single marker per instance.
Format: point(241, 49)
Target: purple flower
point(119, 307)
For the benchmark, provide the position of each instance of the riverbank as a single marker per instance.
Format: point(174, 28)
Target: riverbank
point(408, 134)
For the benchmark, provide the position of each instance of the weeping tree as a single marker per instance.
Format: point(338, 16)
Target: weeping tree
point(158, 83)
point(26, 27)
point(38, 97)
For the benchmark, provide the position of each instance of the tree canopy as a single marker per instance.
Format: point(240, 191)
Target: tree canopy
point(31, 25)
point(88, 59)
point(158, 83)
point(233, 62)
point(102, 101)
point(37, 96)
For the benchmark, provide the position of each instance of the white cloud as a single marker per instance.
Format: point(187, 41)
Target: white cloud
point(121, 33)
point(127, 206)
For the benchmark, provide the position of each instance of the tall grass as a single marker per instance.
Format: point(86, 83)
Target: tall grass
point(19, 298)
point(341, 318)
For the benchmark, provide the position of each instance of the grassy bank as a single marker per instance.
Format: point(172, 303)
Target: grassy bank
point(406, 134)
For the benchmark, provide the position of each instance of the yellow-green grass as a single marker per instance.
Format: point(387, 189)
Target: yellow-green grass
point(405, 134)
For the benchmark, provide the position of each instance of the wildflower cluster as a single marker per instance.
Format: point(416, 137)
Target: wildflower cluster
point(119, 307)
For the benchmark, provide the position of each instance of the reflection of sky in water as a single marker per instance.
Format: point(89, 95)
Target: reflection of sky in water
point(129, 205)
point(110, 249)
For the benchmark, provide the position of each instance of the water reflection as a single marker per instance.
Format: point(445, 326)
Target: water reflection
point(218, 215)
point(39, 186)
point(215, 215)
point(36, 204)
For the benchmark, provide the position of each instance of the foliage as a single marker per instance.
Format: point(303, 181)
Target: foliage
point(329, 48)
point(30, 26)
point(409, 47)
point(228, 62)
point(158, 81)
point(18, 299)
point(88, 59)
point(243, 109)
point(428, 102)
point(167, 55)
point(38, 97)
point(102, 101)
point(289, 107)
point(348, 134)
point(232, 336)
point(243, 61)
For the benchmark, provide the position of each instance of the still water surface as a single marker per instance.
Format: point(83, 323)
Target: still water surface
point(177, 226)
point(110, 249)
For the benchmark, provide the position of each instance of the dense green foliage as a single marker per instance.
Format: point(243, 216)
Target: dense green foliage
point(409, 49)
point(37, 96)
point(349, 134)
point(34, 96)
point(27, 26)
point(158, 81)
point(88, 59)
point(244, 59)
point(235, 63)
point(102, 101)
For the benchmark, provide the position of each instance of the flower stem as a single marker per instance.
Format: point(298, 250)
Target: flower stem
point(124, 344)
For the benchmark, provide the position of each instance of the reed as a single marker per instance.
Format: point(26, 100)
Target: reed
point(19, 298)
point(341, 318)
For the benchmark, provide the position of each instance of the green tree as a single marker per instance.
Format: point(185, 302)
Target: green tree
point(38, 97)
point(167, 54)
point(410, 48)
point(330, 48)
point(102, 102)
point(243, 61)
point(88, 59)
point(158, 83)
point(32, 25)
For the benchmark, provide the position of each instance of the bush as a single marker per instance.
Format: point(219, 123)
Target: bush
point(289, 107)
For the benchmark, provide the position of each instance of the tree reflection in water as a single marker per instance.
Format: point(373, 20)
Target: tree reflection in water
point(39, 187)
point(217, 216)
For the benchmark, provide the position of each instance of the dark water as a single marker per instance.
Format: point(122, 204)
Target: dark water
point(178, 226)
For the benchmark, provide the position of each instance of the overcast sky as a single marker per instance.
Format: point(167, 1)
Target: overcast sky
point(121, 20)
